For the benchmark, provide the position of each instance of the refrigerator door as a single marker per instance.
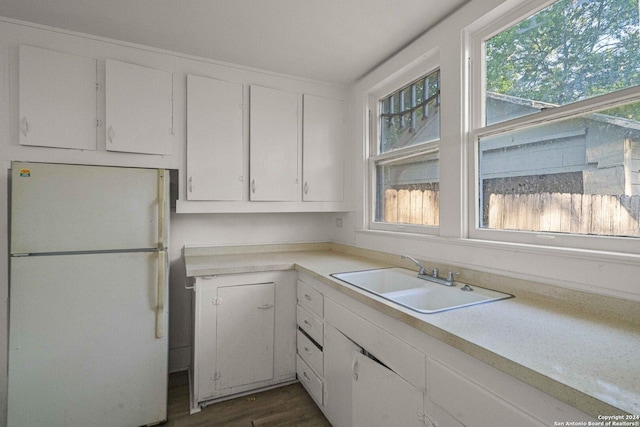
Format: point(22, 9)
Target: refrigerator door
point(83, 346)
point(75, 208)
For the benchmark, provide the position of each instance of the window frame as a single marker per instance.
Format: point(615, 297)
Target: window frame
point(375, 158)
point(477, 130)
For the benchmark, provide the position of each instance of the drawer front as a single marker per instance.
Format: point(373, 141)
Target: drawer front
point(310, 353)
point(311, 325)
point(309, 380)
point(310, 299)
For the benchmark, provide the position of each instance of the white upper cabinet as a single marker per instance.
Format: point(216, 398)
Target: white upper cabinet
point(57, 99)
point(323, 152)
point(215, 155)
point(273, 134)
point(139, 109)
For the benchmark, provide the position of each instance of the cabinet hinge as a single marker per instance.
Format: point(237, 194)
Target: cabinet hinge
point(216, 301)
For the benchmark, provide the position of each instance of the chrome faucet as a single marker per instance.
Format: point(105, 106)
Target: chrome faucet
point(435, 273)
point(422, 269)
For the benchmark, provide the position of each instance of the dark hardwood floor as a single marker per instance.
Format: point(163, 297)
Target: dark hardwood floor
point(281, 407)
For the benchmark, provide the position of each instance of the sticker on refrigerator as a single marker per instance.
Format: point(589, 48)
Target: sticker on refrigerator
point(25, 173)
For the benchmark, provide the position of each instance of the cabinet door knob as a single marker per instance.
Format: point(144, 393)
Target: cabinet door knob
point(190, 184)
point(253, 186)
point(306, 187)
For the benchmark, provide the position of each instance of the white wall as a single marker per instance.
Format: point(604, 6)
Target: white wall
point(613, 274)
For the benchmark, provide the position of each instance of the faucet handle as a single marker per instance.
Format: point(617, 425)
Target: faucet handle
point(451, 275)
point(435, 273)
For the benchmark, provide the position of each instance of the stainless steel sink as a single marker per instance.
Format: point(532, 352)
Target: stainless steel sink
point(403, 287)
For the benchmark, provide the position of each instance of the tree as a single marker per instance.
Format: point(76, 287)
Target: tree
point(571, 50)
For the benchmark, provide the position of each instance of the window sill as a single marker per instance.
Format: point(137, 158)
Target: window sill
point(612, 274)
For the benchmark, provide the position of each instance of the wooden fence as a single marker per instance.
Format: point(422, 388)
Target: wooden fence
point(412, 207)
point(564, 212)
point(560, 212)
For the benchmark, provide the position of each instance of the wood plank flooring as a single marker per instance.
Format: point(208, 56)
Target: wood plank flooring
point(281, 407)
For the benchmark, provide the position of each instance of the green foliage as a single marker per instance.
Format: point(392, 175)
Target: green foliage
point(572, 50)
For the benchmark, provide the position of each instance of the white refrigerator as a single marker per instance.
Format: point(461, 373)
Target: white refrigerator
point(88, 296)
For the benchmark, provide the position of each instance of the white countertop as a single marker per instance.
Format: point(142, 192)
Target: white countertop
point(576, 351)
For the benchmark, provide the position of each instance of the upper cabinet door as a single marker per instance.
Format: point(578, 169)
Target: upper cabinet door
point(273, 145)
point(323, 153)
point(57, 99)
point(214, 139)
point(139, 109)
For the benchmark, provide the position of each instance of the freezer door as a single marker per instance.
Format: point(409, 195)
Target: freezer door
point(83, 344)
point(73, 208)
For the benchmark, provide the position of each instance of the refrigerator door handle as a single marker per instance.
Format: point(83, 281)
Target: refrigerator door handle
point(161, 207)
point(162, 255)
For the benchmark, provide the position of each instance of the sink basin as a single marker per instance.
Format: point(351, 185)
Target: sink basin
point(403, 287)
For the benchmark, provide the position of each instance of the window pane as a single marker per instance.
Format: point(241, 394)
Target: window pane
point(569, 51)
point(579, 175)
point(403, 122)
point(408, 191)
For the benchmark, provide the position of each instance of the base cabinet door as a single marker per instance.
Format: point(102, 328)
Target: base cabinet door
point(380, 397)
point(244, 334)
point(244, 347)
point(338, 358)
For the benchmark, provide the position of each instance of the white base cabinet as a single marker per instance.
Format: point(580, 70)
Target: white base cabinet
point(381, 398)
point(339, 352)
point(244, 334)
point(360, 366)
point(380, 372)
point(310, 350)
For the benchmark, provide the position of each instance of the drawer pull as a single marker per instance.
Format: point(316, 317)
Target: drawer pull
point(306, 322)
point(307, 297)
point(306, 349)
point(306, 377)
point(265, 306)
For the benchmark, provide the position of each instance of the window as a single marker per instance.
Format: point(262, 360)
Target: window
point(405, 159)
point(557, 133)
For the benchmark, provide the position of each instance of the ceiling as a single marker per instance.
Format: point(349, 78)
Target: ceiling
point(335, 41)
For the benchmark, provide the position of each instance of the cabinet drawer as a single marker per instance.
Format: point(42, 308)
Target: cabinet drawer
point(311, 299)
point(309, 380)
point(310, 353)
point(311, 325)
